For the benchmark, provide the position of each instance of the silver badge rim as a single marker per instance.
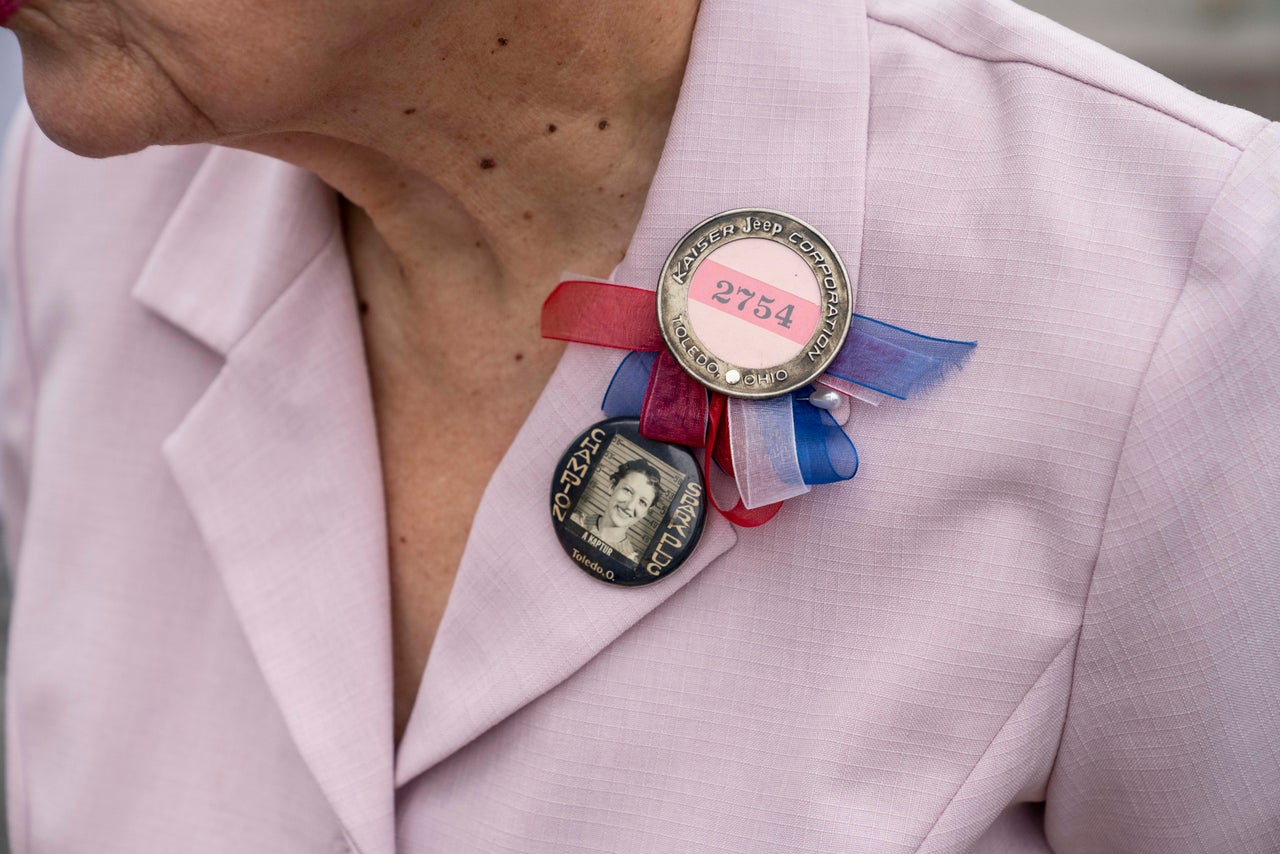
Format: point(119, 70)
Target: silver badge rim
point(718, 374)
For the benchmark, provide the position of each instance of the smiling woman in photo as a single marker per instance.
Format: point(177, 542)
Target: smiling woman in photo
point(634, 488)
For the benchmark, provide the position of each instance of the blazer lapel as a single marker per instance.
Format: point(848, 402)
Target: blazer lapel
point(763, 121)
point(279, 463)
point(522, 616)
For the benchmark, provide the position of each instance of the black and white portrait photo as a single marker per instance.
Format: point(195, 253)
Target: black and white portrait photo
point(628, 494)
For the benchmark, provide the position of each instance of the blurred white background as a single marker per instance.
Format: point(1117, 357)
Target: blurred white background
point(1228, 50)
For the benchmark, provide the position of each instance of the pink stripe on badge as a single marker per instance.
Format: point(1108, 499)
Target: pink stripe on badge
point(759, 303)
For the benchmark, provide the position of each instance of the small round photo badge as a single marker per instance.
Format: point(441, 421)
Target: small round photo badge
point(626, 509)
point(754, 303)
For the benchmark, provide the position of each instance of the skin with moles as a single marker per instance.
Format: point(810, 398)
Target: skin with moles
point(481, 149)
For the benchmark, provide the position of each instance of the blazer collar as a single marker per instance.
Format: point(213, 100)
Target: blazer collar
point(279, 463)
point(243, 232)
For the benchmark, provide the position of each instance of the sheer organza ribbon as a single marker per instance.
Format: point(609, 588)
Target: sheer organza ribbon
point(773, 449)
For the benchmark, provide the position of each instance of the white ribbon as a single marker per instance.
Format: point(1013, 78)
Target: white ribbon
point(762, 442)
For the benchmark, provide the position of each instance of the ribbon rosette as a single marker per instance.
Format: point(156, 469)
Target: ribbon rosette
point(775, 448)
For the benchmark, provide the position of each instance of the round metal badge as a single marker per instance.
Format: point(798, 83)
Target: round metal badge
point(754, 303)
point(626, 509)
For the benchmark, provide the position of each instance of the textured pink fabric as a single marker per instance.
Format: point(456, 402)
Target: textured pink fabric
point(1043, 617)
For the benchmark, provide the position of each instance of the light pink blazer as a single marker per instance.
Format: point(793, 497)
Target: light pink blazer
point(1044, 615)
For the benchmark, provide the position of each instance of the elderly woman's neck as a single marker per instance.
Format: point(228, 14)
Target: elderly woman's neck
point(488, 162)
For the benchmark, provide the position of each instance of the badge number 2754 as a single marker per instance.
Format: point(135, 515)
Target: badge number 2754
point(726, 291)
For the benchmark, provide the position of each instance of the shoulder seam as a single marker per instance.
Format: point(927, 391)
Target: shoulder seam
point(1089, 83)
point(1124, 443)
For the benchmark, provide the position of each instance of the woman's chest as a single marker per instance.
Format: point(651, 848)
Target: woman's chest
point(434, 476)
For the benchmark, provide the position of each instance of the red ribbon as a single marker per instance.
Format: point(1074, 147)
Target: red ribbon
point(602, 314)
point(676, 406)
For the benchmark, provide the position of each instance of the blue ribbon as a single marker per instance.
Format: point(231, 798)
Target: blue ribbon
point(825, 452)
point(896, 361)
point(625, 395)
point(884, 358)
